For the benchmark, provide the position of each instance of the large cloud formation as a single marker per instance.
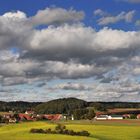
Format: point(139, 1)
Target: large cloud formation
point(56, 16)
point(66, 49)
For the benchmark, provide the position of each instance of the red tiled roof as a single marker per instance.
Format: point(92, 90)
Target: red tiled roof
point(25, 116)
point(100, 113)
point(53, 116)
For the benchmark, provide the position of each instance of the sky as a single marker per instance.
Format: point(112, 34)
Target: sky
point(86, 49)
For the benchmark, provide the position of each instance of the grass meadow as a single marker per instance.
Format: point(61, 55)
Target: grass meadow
point(100, 130)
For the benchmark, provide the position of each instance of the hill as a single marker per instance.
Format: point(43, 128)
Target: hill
point(65, 105)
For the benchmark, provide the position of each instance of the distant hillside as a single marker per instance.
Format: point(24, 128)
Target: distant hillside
point(110, 105)
point(17, 106)
point(65, 105)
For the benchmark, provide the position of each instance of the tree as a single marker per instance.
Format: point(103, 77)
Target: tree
point(80, 113)
point(16, 116)
point(133, 116)
point(0, 119)
point(90, 114)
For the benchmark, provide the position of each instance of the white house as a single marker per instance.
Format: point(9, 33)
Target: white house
point(109, 117)
point(115, 117)
point(101, 117)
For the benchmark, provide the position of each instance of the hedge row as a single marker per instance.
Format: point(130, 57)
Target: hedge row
point(60, 130)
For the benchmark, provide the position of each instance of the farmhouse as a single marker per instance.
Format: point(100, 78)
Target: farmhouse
point(101, 117)
point(53, 117)
point(109, 117)
point(29, 112)
point(115, 117)
point(126, 116)
point(25, 117)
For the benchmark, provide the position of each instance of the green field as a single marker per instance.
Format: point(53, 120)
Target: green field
point(101, 130)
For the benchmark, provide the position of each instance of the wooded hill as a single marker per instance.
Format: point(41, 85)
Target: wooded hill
point(68, 105)
point(65, 105)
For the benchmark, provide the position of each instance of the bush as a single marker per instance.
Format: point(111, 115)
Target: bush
point(60, 129)
point(133, 116)
point(37, 130)
point(48, 131)
point(84, 133)
point(70, 132)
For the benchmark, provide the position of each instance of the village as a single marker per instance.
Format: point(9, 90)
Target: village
point(12, 117)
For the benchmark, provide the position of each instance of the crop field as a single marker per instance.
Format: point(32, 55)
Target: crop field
point(100, 130)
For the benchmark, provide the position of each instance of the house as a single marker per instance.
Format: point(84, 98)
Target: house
point(39, 117)
point(12, 120)
point(29, 112)
point(100, 113)
point(109, 117)
point(138, 116)
point(126, 116)
point(7, 115)
point(115, 117)
point(25, 117)
point(54, 117)
point(58, 117)
point(101, 117)
point(48, 117)
point(68, 117)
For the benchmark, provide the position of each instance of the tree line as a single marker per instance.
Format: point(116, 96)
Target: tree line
point(64, 106)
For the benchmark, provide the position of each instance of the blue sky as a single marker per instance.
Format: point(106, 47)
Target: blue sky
point(74, 48)
point(110, 6)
